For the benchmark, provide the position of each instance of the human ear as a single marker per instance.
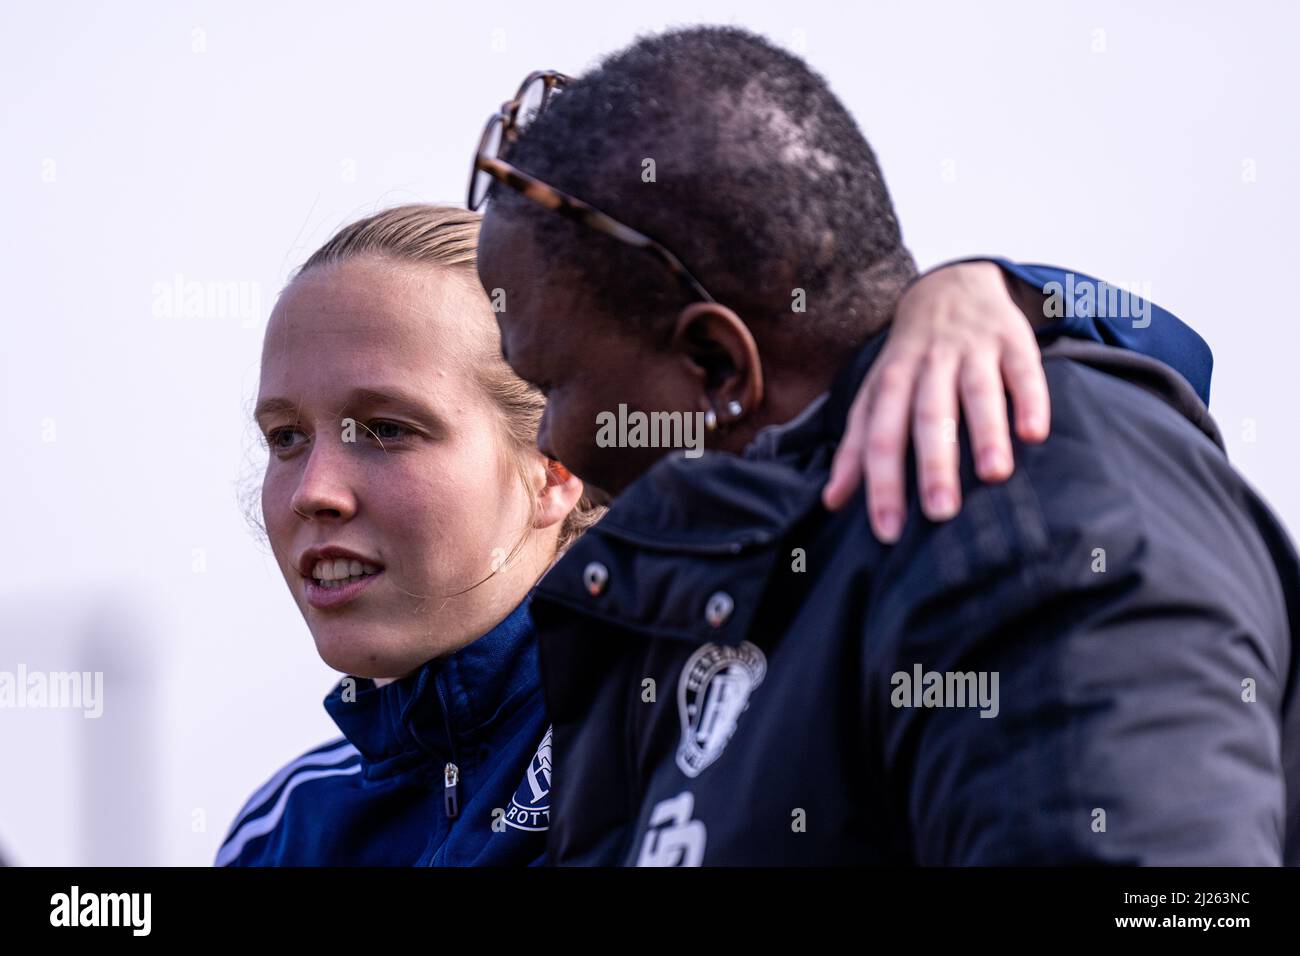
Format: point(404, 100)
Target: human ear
point(720, 352)
point(557, 496)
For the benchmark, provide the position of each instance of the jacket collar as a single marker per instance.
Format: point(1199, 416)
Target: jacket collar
point(445, 701)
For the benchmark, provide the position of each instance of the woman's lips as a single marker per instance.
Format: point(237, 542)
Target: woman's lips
point(323, 598)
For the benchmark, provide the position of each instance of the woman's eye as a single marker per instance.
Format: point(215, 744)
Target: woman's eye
point(281, 439)
point(389, 431)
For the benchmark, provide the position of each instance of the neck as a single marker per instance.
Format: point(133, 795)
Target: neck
point(785, 398)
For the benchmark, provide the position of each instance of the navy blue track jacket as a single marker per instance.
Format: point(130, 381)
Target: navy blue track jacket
point(383, 796)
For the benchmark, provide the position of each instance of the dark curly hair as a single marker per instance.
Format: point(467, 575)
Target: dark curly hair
point(763, 184)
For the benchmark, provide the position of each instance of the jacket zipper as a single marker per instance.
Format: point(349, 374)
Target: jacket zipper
point(451, 772)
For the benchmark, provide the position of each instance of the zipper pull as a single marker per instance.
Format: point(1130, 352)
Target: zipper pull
point(450, 799)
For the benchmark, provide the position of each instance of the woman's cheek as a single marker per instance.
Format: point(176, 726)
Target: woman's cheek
point(452, 508)
point(276, 512)
point(419, 511)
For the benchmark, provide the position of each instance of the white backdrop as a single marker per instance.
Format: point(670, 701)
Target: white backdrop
point(151, 146)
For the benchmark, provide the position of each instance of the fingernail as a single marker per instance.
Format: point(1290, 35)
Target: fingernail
point(889, 524)
point(992, 460)
point(941, 504)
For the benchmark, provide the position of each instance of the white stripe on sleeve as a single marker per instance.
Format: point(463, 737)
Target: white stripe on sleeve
point(317, 758)
point(264, 824)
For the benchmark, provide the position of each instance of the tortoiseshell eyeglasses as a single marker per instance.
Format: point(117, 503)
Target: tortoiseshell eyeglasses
point(535, 94)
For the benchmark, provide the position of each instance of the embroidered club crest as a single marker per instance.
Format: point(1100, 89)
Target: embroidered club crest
point(712, 694)
point(530, 807)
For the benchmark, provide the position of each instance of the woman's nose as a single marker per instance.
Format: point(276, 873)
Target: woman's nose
point(325, 489)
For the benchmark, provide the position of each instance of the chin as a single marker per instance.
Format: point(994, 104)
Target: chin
point(371, 655)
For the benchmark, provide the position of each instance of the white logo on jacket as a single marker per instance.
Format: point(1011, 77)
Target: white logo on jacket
point(674, 839)
point(530, 807)
point(712, 694)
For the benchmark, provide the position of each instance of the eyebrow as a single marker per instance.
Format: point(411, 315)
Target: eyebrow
point(271, 406)
point(357, 397)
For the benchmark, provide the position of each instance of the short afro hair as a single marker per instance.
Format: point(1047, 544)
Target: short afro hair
point(763, 184)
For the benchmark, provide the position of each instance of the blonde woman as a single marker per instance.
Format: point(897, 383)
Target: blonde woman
point(410, 514)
